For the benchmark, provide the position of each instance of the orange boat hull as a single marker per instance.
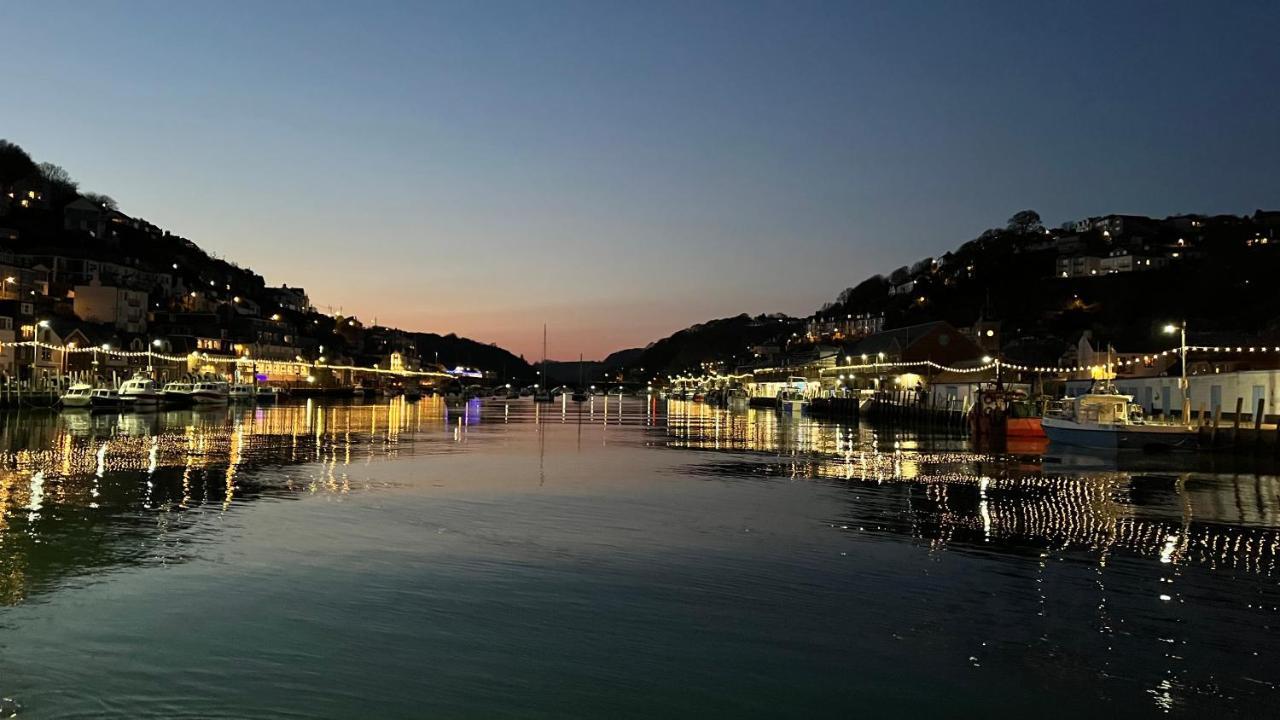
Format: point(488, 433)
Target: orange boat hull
point(1023, 428)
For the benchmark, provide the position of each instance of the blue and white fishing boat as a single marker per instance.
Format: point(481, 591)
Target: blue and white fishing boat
point(1111, 421)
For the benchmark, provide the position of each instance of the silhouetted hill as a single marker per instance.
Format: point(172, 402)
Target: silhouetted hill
point(1125, 277)
point(726, 339)
point(76, 236)
point(622, 358)
point(453, 350)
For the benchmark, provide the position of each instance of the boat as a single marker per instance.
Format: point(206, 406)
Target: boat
point(791, 400)
point(267, 393)
point(104, 398)
point(1023, 420)
point(1003, 412)
point(541, 393)
point(454, 394)
point(866, 398)
point(140, 391)
point(392, 390)
point(241, 392)
point(579, 394)
point(1111, 421)
point(178, 393)
point(76, 396)
point(412, 391)
point(209, 392)
point(736, 398)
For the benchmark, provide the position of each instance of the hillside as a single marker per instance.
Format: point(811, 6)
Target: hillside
point(58, 236)
point(726, 339)
point(1121, 277)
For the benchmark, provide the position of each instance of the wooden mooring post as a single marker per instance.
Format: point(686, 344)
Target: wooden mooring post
point(1257, 424)
point(1235, 423)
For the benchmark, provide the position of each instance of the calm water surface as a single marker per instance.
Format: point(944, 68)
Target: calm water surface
point(627, 560)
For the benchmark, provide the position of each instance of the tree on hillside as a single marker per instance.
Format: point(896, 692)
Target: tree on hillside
point(921, 267)
point(101, 200)
point(15, 163)
point(56, 175)
point(1025, 221)
point(62, 187)
point(865, 295)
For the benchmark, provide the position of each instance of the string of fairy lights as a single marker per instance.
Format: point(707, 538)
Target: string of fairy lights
point(301, 366)
point(988, 364)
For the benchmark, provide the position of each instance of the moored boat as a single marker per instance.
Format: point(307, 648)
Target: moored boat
point(77, 396)
point(140, 391)
point(267, 393)
point(1023, 420)
point(209, 392)
point(104, 398)
point(241, 392)
point(791, 400)
point(1111, 421)
point(178, 393)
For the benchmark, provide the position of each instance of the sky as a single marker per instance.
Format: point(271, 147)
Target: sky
point(619, 171)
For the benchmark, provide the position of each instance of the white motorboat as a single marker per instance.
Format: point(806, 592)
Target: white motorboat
point(140, 391)
point(178, 393)
point(210, 392)
point(736, 398)
point(791, 400)
point(77, 396)
point(1112, 421)
point(268, 393)
point(241, 392)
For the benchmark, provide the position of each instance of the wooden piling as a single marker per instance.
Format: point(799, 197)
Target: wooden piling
point(1257, 424)
point(1235, 423)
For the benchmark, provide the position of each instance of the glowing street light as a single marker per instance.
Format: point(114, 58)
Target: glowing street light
point(1181, 329)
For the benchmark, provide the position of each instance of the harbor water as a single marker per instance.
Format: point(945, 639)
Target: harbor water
point(618, 558)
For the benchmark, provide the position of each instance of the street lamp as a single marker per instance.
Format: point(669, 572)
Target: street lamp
point(1181, 329)
point(35, 350)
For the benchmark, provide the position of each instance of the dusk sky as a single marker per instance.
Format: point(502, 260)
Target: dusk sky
point(620, 171)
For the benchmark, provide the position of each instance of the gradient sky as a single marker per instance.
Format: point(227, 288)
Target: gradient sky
point(620, 171)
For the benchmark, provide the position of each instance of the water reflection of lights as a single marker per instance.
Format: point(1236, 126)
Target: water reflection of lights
point(56, 466)
point(1214, 522)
